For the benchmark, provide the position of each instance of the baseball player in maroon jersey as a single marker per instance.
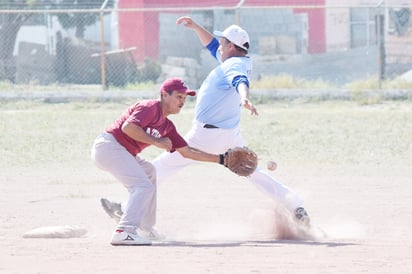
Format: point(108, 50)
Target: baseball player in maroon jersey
point(117, 150)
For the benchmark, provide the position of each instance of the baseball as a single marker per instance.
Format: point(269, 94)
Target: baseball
point(272, 165)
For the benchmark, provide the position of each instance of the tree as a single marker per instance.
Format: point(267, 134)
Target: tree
point(80, 20)
point(10, 24)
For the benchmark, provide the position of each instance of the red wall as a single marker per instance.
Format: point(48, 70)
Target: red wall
point(317, 29)
point(138, 29)
point(141, 30)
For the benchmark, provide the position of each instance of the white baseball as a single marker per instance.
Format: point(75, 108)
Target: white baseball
point(272, 165)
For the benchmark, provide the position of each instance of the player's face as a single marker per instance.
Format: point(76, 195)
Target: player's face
point(175, 101)
point(225, 48)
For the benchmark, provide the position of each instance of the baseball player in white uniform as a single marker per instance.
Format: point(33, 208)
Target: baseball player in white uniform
point(218, 111)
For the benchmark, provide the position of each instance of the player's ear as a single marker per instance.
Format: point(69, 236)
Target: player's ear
point(163, 95)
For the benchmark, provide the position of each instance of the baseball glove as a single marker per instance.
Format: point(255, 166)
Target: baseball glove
point(240, 160)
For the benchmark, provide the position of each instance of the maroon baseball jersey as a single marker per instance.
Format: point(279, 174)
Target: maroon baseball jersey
point(148, 115)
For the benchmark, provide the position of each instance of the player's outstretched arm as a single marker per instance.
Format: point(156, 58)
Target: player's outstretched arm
point(198, 155)
point(239, 160)
point(204, 35)
point(244, 95)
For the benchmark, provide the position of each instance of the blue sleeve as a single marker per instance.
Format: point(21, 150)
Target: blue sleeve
point(213, 46)
point(240, 79)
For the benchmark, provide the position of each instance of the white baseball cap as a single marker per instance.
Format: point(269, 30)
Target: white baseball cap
point(236, 35)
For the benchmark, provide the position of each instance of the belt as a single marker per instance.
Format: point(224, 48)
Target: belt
point(209, 126)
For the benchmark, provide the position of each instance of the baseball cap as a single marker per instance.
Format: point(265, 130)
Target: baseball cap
point(177, 84)
point(236, 35)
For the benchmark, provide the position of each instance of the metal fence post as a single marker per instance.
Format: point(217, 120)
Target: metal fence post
point(102, 48)
point(238, 6)
point(380, 44)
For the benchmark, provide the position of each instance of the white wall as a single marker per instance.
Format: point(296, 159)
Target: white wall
point(337, 27)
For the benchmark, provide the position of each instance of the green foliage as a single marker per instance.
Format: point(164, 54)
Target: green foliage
point(366, 98)
point(366, 92)
point(285, 81)
point(6, 85)
point(357, 86)
point(149, 85)
point(79, 21)
point(397, 84)
point(22, 4)
point(319, 134)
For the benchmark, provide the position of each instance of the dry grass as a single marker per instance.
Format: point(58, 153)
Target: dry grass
point(285, 81)
point(282, 81)
point(319, 133)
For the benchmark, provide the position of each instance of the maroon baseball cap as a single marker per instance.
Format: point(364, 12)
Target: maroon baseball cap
point(176, 84)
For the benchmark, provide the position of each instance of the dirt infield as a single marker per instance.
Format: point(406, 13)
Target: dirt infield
point(213, 226)
point(217, 223)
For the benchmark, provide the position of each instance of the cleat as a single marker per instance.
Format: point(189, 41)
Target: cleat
point(114, 210)
point(302, 216)
point(121, 237)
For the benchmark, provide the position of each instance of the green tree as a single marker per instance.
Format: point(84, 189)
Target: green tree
point(80, 21)
point(10, 24)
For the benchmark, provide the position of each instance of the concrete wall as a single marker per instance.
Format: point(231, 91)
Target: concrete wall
point(337, 29)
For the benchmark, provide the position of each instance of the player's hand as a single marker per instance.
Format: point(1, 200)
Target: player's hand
point(164, 143)
point(248, 105)
point(186, 21)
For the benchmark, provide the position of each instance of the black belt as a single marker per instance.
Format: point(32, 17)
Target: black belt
point(209, 126)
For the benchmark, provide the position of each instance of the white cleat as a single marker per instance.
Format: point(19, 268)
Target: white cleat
point(121, 237)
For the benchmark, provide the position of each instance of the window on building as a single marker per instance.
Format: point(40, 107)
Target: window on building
point(363, 27)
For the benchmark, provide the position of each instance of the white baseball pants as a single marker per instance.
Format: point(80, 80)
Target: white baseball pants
point(136, 174)
point(218, 141)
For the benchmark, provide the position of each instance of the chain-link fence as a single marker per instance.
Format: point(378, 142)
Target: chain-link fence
point(116, 47)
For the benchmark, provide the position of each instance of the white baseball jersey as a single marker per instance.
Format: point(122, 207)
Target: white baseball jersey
point(218, 102)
